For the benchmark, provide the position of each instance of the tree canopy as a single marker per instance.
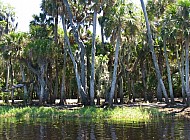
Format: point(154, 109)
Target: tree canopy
point(142, 52)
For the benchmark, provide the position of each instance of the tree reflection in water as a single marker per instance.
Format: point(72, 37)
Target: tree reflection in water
point(41, 129)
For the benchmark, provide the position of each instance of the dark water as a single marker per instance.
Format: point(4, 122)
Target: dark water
point(59, 129)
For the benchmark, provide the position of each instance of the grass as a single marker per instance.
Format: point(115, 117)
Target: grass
point(134, 114)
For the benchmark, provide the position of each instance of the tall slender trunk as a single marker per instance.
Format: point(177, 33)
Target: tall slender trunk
point(187, 69)
point(168, 71)
point(12, 78)
point(143, 70)
point(121, 89)
point(56, 27)
point(83, 65)
point(50, 82)
point(114, 77)
point(160, 64)
point(92, 78)
point(80, 80)
point(99, 88)
point(81, 90)
point(56, 81)
point(115, 101)
point(181, 71)
point(133, 90)
point(151, 46)
point(56, 58)
point(25, 87)
point(7, 76)
point(42, 84)
point(62, 100)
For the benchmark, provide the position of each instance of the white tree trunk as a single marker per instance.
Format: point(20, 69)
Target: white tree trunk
point(24, 80)
point(151, 46)
point(81, 90)
point(62, 100)
point(114, 77)
point(42, 83)
point(168, 71)
point(93, 52)
point(181, 71)
point(187, 69)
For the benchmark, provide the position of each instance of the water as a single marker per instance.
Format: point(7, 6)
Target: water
point(59, 129)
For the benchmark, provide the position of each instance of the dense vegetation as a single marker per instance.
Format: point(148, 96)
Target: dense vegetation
point(126, 114)
point(139, 53)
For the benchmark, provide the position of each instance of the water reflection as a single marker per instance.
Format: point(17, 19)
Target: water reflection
point(40, 129)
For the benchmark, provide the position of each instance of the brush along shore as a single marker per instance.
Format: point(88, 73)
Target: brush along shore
point(135, 114)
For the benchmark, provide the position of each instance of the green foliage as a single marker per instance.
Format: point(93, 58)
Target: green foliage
point(128, 114)
point(41, 48)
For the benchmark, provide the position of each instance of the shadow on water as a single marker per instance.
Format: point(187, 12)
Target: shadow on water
point(61, 129)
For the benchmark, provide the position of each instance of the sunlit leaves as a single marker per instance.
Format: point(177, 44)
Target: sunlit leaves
point(7, 18)
point(13, 43)
point(41, 47)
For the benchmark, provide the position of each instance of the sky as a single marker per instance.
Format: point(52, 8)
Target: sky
point(24, 10)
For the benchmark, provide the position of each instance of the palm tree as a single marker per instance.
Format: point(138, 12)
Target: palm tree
point(168, 70)
point(114, 77)
point(81, 90)
point(39, 51)
point(151, 46)
point(51, 7)
point(184, 10)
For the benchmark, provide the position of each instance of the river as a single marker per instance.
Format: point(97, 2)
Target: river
point(61, 129)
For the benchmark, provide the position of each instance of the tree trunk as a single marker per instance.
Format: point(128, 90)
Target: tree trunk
point(12, 78)
point(80, 82)
point(168, 71)
point(159, 92)
point(63, 99)
point(56, 63)
point(83, 67)
point(56, 82)
point(114, 77)
point(181, 71)
point(81, 90)
point(99, 89)
point(133, 90)
point(121, 89)
point(187, 69)
point(42, 84)
point(151, 46)
point(160, 64)
point(50, 83)
point(56, 27)
point(143, 70)
point(25, 87)
point(92, 79)
point(8, 74)
point(115, 94)
point(129, 85)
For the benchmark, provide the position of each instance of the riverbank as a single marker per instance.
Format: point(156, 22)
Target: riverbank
point(138, 111)
point(129, 114)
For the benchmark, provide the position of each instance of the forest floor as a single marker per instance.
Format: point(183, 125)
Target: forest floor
point(178, 109)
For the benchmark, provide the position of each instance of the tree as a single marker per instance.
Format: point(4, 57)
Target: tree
point(38, 52)
point(81, 90)
point(7, 19)
point(151, 46)
point(93, 50)
point(184, 10)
